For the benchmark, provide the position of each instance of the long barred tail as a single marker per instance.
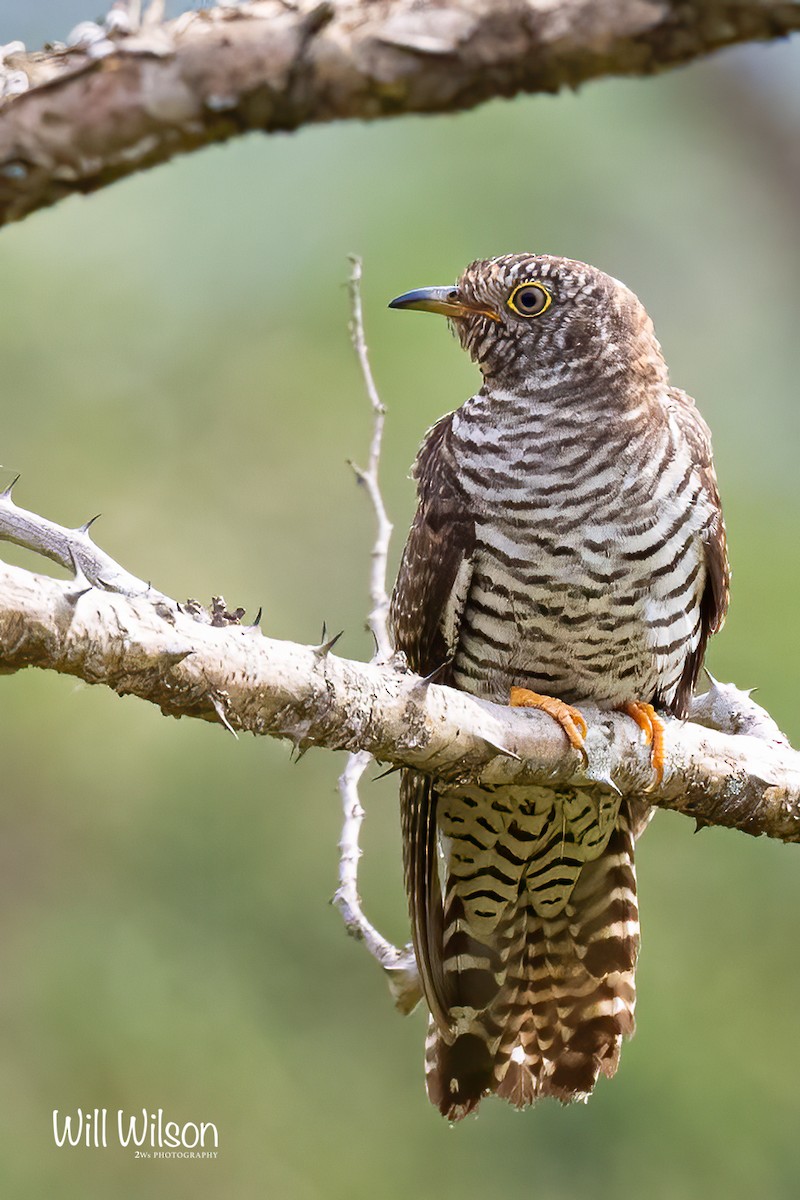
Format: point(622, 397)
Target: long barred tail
point(542, 1010)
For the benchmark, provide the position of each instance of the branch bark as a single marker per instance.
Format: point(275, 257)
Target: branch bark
point(125, 96)
point(195, 665)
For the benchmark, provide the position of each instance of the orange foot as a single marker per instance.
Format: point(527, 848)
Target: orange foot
point(568, 717)
point(652, 726)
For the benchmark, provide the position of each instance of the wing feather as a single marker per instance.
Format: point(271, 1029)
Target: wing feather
point(432, 583)
point(425, 619)
point(714, 601)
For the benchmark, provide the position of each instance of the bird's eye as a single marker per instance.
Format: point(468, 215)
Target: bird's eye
point(530, 300)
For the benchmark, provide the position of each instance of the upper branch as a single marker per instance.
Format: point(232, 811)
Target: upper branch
point(75, 118)
point(159, 651)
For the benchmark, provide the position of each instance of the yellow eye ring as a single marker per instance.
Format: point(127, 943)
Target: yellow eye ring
point(530, 299)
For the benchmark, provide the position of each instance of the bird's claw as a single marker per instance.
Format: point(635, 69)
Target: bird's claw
point(652, 726)
point(569, 718)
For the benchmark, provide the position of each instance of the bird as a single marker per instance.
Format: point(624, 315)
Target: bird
point(568, 546)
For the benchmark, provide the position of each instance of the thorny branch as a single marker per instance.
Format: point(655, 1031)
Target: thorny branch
point(125, 94)
point(72, 549)
point(183, 659)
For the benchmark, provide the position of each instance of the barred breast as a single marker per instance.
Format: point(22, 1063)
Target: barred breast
point(588, 566)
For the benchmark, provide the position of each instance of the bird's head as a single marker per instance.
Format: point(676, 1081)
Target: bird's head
point(529, 316)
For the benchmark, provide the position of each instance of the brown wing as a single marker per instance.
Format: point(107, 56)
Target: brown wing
point(436, 566)
point(425, 619)
point(714, 601)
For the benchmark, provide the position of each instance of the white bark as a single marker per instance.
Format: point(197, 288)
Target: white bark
point(175, 657)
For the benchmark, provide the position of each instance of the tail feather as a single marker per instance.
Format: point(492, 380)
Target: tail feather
point(542, 1005)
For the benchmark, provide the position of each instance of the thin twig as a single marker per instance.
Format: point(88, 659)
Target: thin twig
point(379, 598)
point(400, 965)
point(72, 549)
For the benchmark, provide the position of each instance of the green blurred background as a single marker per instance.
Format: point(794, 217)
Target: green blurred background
point(175, 354)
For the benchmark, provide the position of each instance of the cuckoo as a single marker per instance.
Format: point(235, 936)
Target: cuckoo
point(568, 545)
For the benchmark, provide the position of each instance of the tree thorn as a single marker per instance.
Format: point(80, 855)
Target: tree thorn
point(325, 647)
point(175, 654)
point(388, 771)
point(425, 681)
point(219, 708)
point(86, 526)
point(602, 776)
point(80, 579)
point(501, 749)
point(74, 596)
point(6, 492)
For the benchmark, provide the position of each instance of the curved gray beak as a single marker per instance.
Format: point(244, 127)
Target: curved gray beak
point(444, 300)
